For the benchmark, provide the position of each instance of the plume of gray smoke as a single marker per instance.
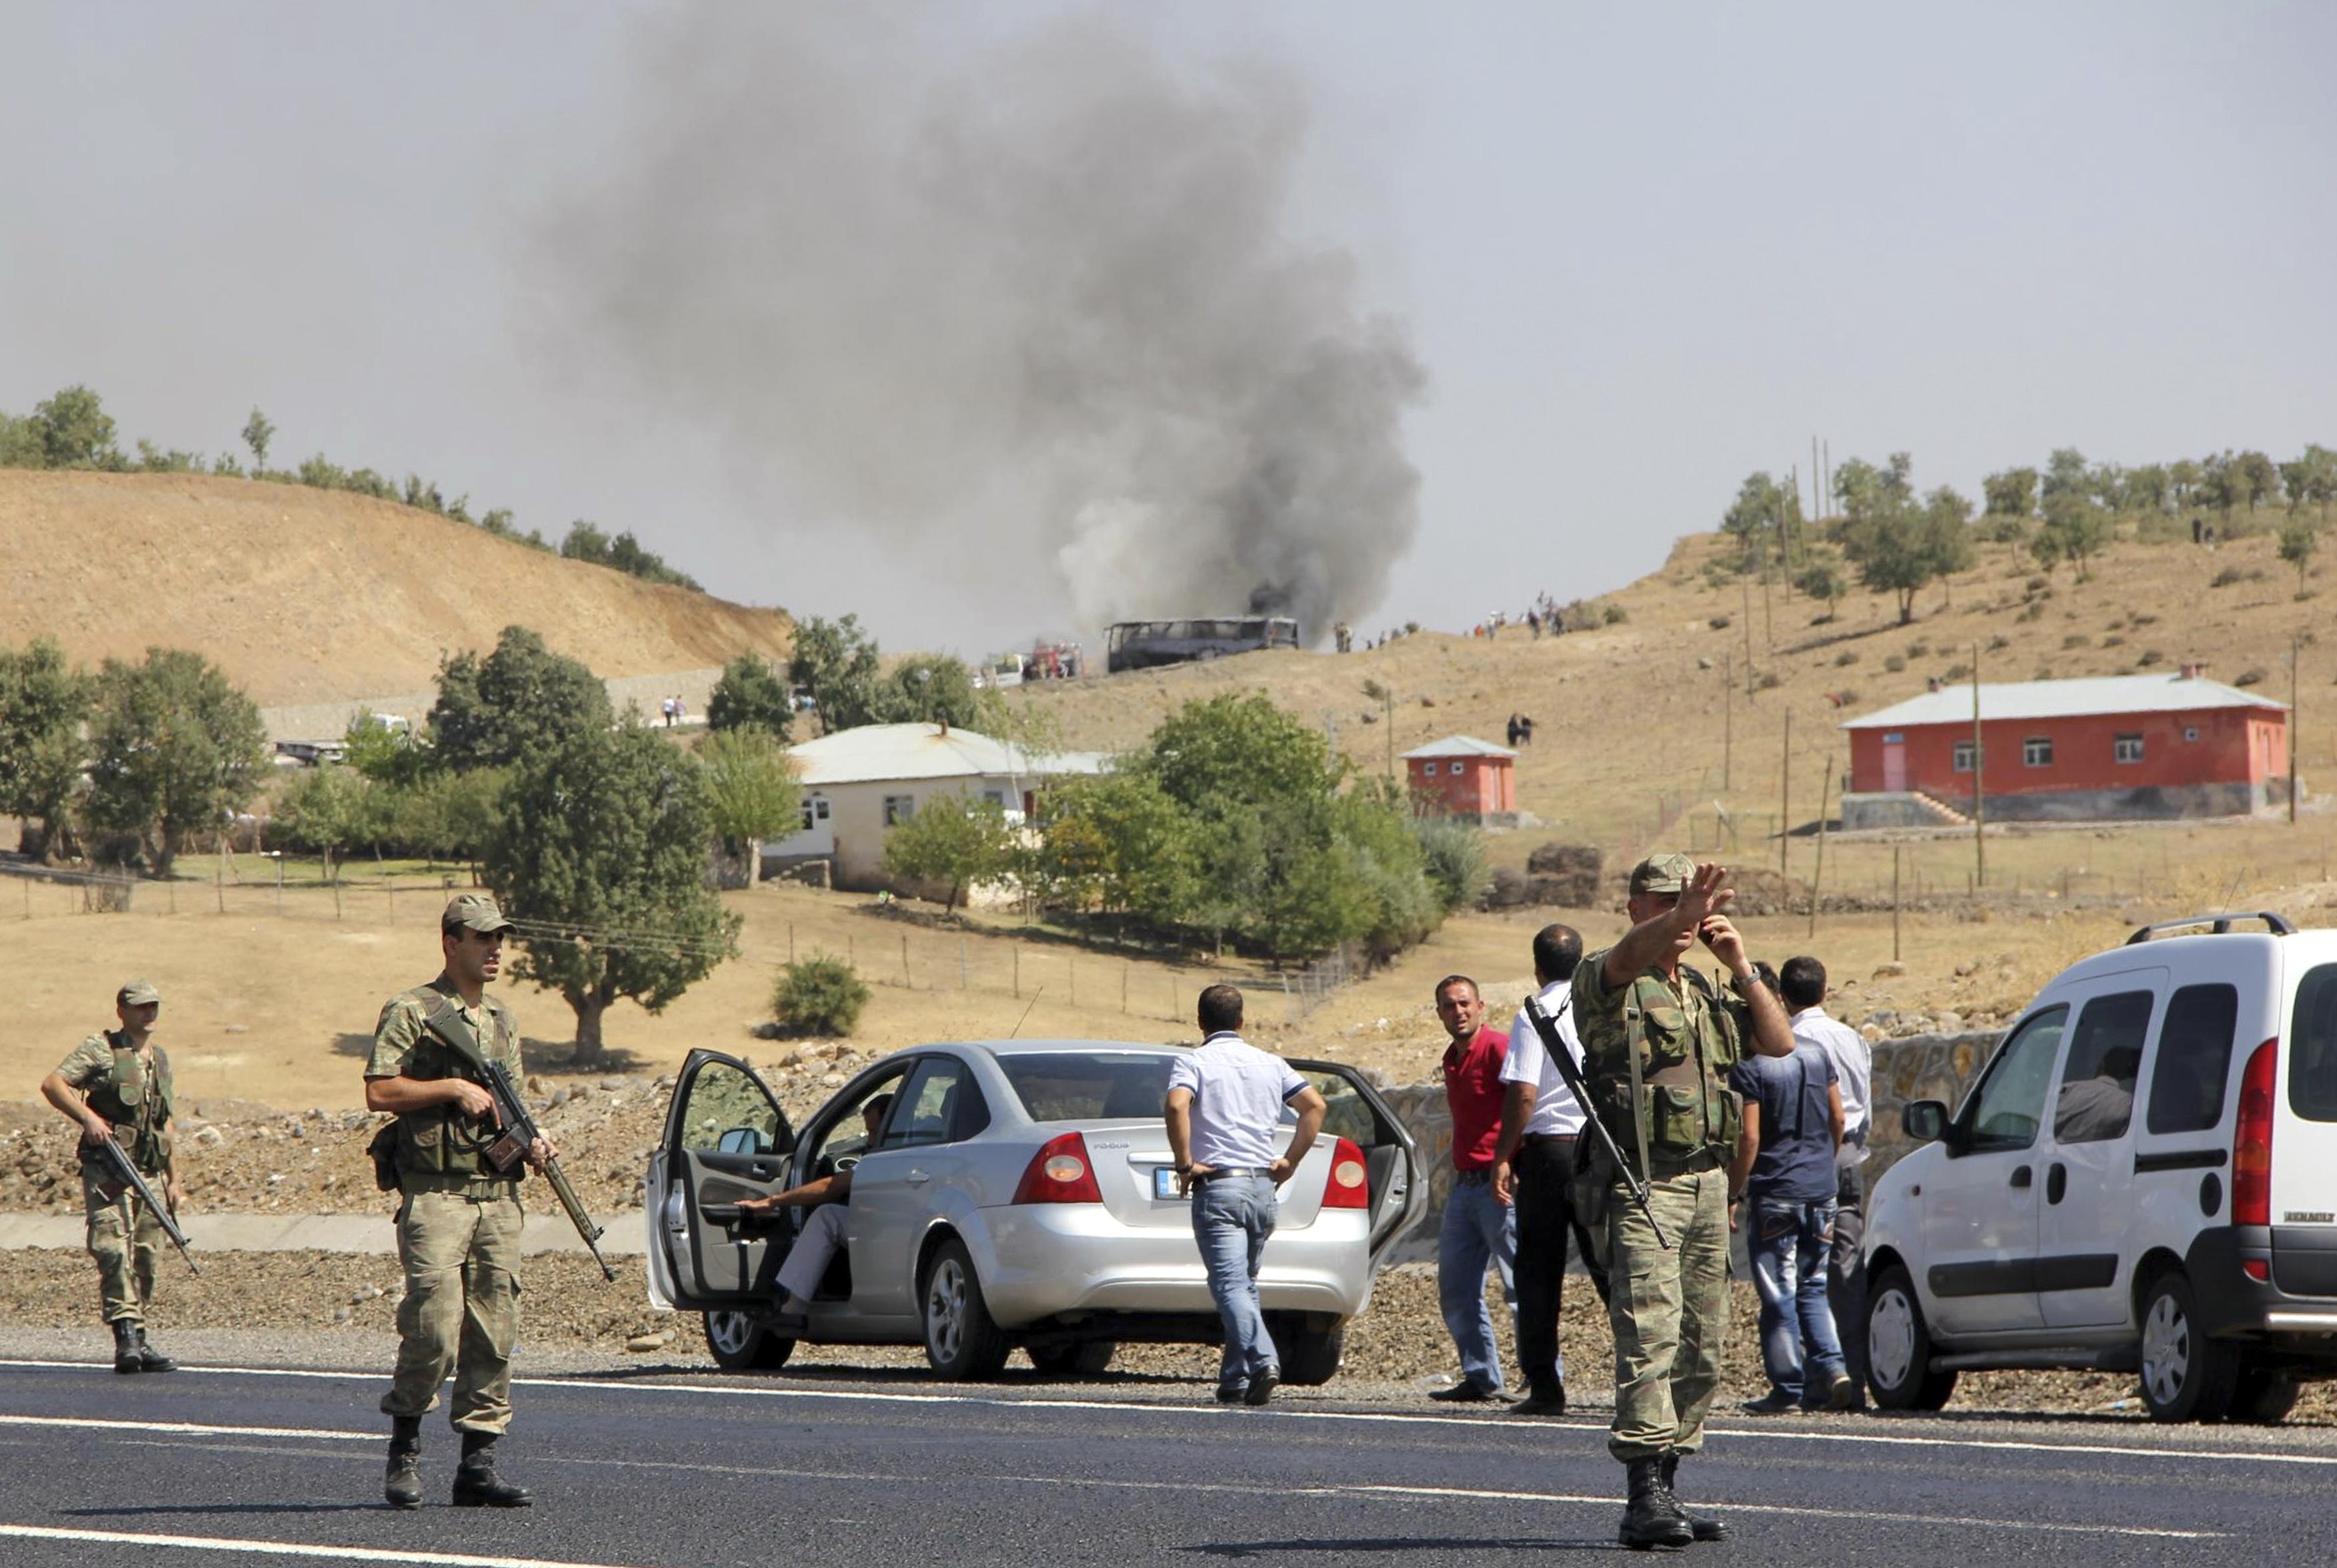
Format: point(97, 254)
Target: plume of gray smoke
point(1029, 308)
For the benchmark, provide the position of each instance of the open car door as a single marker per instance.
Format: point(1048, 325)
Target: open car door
point(726, 1139)
point(1390, 1158)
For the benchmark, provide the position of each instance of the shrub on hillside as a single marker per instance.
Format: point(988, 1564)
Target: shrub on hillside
point(1894, 662)
point(2150, 656)
point(2229, 576)
point(2255, 677)
point(819, 995)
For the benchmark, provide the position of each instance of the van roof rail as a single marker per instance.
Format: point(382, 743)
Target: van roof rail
point(2277, 925)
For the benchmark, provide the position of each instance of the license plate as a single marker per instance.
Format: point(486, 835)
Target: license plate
point(1164, 1182)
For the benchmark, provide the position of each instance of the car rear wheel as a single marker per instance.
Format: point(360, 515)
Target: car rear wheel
point(962, 1340)
point(1084, 1359)
point(1898, 1347)
point(740, 1344)
point(1309, 1356)
point(2186, 1376)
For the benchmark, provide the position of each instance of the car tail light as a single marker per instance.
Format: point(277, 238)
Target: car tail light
point(1059, 1172)
point(2252, 1143)
point(1350, 1184)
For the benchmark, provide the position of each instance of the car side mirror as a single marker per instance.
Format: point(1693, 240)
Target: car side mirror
point(1925, 1121)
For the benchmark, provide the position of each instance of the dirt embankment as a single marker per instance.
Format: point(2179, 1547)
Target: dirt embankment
point(307, 595)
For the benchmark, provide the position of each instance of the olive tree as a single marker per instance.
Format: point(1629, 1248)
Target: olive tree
point(599, 856)
point(43, 703)
point(174, 749)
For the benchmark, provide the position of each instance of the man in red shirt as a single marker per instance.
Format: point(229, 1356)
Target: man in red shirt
point(1476, 1225)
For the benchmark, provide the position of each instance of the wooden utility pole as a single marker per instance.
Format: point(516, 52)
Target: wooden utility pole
point(1980, 784)
point(1817, 877)
point(1894, 903)
point(1387, 707)
point(2294, 645)
point(1728, 723)
point(1745, 580)
point(1817, 484)
point(1785, 792)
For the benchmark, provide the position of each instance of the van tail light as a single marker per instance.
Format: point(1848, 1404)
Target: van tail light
point(1059, 1172)
point(2252, 1143)
point(1350, 1184)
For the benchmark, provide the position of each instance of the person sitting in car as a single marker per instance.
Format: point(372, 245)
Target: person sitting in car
point(2092, 1109)
point(823, 1232)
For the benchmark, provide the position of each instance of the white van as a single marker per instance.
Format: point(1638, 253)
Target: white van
point(2143, 1179)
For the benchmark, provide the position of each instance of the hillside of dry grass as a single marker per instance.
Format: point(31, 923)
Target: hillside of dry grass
point(307, 595)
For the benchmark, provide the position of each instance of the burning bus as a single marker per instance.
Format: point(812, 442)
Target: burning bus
point(1143, 644)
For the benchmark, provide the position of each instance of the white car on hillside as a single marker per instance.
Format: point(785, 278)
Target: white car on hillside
point(2143, 1179)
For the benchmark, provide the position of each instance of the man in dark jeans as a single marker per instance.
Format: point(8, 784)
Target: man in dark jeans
point(1784, 1179)
point(1532, 1165)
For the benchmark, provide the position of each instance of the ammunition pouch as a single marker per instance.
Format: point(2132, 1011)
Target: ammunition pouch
point(383, 1152)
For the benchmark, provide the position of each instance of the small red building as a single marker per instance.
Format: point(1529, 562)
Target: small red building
point(2137, 746)
point(1463, 776)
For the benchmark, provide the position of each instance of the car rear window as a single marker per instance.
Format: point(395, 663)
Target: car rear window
point(2195, 1057)
point(2313, 1059)
point(1088, 1086)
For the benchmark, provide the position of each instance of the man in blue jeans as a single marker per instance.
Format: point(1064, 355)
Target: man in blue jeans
point(1479, 1228)
point(1783, 1176)
point(1225, 1104)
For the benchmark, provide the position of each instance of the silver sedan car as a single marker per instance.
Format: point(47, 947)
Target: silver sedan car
point(1016, 1193)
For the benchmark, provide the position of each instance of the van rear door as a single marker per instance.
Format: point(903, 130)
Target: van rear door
point(2304, 1142)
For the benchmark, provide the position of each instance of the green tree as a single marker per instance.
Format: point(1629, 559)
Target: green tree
point(20, 444)
point(2297, 542)
point(837, 663)
point(2075, 531)
point(175, 748)
point(1821, 581)
point(751, 692)
point(327, 811)
point(2066, 473)
point(74, 431)
point(1890, 542)
point(257, 434)
point(2010, 492)
point(601, 856)
point(1118, 841)
point(751, 790)
point(931, 689)
point(1763, 519)
point(384, 754)
point(2183, 480)
point(2146, 489)
point(2256, 478)
point(45, 702)
point(585, 542)
point(958, 839)
point(520, 699)
point(1452, 854)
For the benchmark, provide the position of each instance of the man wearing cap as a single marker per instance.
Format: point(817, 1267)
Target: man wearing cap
point(1657, 1042)
point(458, 1217)
point(116, 1084)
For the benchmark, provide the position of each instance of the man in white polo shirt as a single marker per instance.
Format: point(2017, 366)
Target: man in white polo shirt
point(1225, 1104)
point(1802, 986)
point(1532, 1164)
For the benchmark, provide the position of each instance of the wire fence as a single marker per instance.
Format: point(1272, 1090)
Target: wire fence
point(890, 951)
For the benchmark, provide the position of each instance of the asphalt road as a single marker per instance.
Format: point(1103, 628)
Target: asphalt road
point(678, 1470)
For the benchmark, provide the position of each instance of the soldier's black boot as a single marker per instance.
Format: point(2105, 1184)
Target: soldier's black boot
point(149, 1359)
point(1651, 1518)
point(477, 1485)
point(403, 1486)
point(1705, 1527)
point(126, 1358)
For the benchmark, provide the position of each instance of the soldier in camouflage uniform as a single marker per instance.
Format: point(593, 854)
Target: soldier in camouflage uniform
point(1657, 1042)
point(458, 1219)
point(117, 1084)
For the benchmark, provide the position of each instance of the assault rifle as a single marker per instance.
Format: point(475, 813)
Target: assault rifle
point(1555, 1044)
point(126, 1174)
point(519, 1132)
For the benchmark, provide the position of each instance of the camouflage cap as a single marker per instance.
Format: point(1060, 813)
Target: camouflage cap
point(1662, 874)
point(137, 994)
point(474, 911)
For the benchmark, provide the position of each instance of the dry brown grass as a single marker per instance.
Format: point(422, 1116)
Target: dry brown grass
point(309, 595)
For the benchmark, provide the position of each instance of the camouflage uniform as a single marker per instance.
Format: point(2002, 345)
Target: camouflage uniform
point(133, 1091)
point(1669, 1307)
point(458, 1225)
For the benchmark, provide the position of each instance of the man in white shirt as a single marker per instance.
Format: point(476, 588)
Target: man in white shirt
point(1532, 1164)
point(1224, 1104)
point(1802, 984)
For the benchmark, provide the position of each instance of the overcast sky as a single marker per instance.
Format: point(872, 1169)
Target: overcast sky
point(1639, 251)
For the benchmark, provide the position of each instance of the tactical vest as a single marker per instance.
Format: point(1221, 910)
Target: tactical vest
point(438, 1146)
point(1685, 1115)
point(139, 1104)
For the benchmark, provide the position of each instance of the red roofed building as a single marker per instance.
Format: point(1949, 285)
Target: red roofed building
point(2137, 746)
point(1464, 778)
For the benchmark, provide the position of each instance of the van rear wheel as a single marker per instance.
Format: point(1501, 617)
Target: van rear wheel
point(2185, 1375)
point(1898, 1347)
